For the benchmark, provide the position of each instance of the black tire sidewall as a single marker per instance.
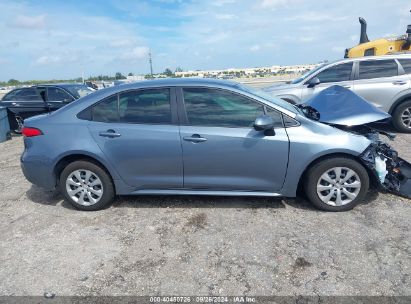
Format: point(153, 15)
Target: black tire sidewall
point(314, 173)
point(108, 188)
point(396, 117)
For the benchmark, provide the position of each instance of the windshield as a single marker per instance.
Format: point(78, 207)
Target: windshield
point(275, 100)
point(304, 76)
point(79, 90)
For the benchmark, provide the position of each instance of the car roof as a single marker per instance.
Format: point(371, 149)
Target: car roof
point(62, 84)
point(393, 56)
point(170, 82)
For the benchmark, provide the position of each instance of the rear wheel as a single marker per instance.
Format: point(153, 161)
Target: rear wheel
point(86, 186)
point(336, 184)
point(402, 117)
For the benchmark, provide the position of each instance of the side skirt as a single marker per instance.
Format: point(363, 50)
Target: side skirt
point(204, 192)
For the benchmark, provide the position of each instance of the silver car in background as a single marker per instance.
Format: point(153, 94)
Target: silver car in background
point(385, 81)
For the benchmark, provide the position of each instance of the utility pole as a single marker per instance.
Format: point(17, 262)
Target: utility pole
point(82, 72)
point(151, 63)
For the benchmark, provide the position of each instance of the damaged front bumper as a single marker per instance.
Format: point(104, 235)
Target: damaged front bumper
point(391, 171)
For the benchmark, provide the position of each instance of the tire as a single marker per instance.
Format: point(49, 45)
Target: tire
point(318, 189)
point(94, 190)
point(401, 117)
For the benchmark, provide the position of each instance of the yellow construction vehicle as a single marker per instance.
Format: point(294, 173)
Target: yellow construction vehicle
point(382, 46)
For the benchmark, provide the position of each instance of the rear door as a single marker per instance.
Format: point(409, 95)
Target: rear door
point(339, 74)
point(25, 102)
point(379, 81)
point(138, 132)
point(221, 149)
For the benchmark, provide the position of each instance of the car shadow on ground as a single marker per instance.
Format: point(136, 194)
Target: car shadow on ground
point(54, 198)
point(50, 198)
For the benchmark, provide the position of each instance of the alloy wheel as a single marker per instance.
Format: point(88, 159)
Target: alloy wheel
point(406, 117)
point(84, 187)
point(338, 186)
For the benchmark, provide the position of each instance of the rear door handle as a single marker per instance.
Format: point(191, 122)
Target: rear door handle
point(110, 133)
point(195, 138)
point(399, 82)
point(346, 86)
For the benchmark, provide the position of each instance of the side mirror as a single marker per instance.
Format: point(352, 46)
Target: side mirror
point(263, 123)
point(313, 82)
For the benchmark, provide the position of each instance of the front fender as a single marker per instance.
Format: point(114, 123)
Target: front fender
point(308, 144)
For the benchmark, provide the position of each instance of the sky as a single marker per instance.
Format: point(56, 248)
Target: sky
point(50, 39)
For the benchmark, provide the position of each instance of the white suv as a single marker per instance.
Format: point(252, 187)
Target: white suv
point(385, 81)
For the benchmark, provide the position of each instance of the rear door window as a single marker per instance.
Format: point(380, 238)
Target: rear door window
point(22, 95)
point(106, 110)
point(337, 73)
point(378, 69)
point(151, 106)
point(406, 65)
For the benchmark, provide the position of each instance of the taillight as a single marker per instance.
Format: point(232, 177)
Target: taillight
point(31, 132)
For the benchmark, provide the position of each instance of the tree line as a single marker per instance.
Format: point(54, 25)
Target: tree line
point(117, 76)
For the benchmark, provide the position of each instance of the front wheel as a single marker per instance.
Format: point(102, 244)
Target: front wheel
point(402, 117)
point(86, 186)
point(336, 184)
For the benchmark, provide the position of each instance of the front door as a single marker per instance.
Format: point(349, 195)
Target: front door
point(57, 98)
point(340, 74)
point(138, 134)
point(221, 149)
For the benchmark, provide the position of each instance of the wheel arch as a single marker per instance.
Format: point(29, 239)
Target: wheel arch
point(399, 101)
point(371, 175)
point(67, 159)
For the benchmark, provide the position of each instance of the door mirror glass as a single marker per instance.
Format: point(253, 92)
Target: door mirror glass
point(313, 82)
point(264, 122)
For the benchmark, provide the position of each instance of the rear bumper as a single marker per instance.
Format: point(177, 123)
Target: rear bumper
point(38, 172)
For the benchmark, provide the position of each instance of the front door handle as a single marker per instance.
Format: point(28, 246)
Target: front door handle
point(346, 86)
point(195, 138)
point(399, 82)
point(110, 133)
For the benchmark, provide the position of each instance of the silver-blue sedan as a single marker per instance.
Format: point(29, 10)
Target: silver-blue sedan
point(211, 137)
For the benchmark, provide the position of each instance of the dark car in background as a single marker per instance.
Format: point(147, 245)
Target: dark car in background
point(22, 103)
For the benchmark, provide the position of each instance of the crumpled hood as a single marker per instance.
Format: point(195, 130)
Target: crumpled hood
point(341, 106)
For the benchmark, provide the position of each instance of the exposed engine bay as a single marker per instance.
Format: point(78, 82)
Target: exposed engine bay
point(391, 171)
point(345, 110)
